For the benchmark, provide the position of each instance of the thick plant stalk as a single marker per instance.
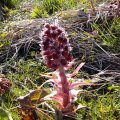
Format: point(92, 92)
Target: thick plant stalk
point(65, 86)
point(58, 115)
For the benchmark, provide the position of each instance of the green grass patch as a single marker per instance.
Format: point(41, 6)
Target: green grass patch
point(101, 107)
point(49, 7)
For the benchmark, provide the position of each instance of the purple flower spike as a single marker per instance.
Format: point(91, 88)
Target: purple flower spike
point(55, 47)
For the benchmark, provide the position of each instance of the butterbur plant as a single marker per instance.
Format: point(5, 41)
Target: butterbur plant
point(5, 85)
point(55, 50)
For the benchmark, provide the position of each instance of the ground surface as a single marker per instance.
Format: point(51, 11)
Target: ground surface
point(95, 41)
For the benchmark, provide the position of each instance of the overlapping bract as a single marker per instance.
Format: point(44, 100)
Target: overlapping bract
point(5, 84)
point(114, 8)
point(55, 47)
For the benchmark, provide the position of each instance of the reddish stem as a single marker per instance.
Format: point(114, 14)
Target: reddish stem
point(65, 86)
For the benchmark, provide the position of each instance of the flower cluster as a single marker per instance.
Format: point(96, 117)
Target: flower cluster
point(4, 85)
point(114, 8)
point(55, 47)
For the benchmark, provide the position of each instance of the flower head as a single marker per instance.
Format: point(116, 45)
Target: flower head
point(5, 85)
point(55, 47)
